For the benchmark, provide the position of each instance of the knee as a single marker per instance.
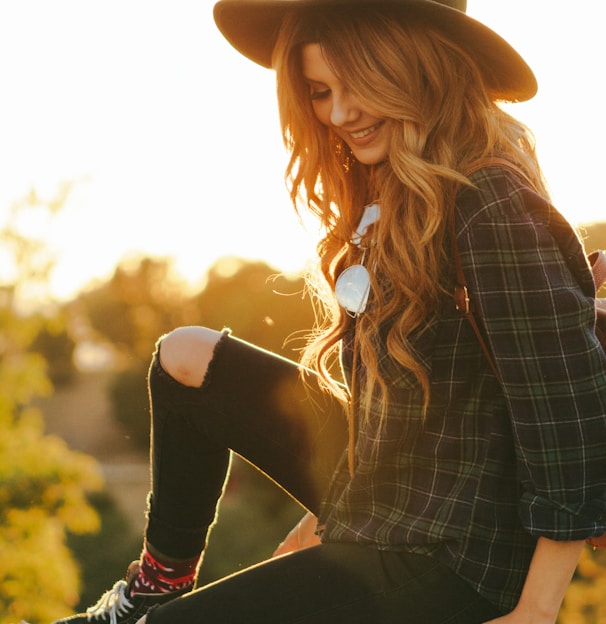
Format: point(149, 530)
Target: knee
point(186, 352)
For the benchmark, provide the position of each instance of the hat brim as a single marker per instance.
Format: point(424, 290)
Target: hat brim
point(251, 26)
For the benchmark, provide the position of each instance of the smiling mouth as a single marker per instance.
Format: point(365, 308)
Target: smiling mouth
point(360, 134)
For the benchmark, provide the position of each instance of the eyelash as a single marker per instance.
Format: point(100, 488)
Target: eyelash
point(319, 95)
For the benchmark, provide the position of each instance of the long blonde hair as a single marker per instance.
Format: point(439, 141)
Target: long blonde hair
point(444, 119)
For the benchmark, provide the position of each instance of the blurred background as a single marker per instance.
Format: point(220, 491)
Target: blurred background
point(141, 188)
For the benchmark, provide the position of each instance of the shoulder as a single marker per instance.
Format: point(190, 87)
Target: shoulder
point(499, 195)
point(501, 213)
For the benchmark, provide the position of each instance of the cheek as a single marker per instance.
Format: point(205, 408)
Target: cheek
point(322, 113)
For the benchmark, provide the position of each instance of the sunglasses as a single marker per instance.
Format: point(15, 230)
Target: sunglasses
point(352, 287)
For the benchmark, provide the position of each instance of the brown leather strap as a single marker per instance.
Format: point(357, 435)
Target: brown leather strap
point(461, 295)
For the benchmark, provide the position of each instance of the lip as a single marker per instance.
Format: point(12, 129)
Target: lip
point(365, 136)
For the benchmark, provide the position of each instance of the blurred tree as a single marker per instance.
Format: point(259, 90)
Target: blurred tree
point(585, 601)
point(255, 516)
point(145, 299)
point(258, 303)
point(142, 300)
point(103, 556)
point(56, 346)
point(130, 403)
point(594, 235)
point(43, 485)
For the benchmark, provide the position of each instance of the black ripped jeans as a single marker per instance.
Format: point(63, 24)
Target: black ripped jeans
point(255, 404)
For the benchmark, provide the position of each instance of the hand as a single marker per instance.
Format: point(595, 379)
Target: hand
point(302, 536)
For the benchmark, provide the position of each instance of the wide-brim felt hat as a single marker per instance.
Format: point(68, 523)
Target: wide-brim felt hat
point(252, 26)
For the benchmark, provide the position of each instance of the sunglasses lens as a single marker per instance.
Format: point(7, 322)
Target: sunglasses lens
point(352, 289)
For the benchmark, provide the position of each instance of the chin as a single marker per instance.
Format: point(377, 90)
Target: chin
point(370, 156)
point(368, 159)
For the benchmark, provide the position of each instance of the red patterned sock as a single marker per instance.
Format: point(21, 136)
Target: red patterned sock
point(160, 577)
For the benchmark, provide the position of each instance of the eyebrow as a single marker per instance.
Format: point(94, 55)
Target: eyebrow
point(314, 82)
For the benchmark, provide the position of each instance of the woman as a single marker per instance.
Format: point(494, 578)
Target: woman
point(444, 490)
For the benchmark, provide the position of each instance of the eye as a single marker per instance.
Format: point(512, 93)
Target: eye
point(319, 94)
point(317, 90)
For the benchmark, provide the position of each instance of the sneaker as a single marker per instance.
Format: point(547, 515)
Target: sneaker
point(117, 606)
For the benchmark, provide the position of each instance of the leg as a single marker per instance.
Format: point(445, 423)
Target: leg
point(212, 394)
point(178, 518)
point(334, 583)
point(187, 352)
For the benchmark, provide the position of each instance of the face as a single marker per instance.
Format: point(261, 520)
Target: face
point(366, 133)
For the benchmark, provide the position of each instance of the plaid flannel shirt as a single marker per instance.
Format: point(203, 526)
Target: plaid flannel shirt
point(490, 467)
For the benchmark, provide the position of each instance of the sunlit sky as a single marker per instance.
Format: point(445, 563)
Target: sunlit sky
point(172, 138)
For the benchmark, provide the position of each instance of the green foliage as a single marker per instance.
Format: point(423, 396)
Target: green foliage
point(43, 485)
point(140, 302)
point(26, 260)
point(104, 556)
point(57, 347)
point(594, 236)
point(43, 489)
point(585, 601)
point(259, 305)
point(254, 517)
point(130, 402)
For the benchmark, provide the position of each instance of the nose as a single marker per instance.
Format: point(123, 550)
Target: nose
point(344, 110)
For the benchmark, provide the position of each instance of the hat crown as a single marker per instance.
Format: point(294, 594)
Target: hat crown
point(252, 26)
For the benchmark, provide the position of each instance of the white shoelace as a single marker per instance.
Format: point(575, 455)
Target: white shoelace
point(113, 603)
